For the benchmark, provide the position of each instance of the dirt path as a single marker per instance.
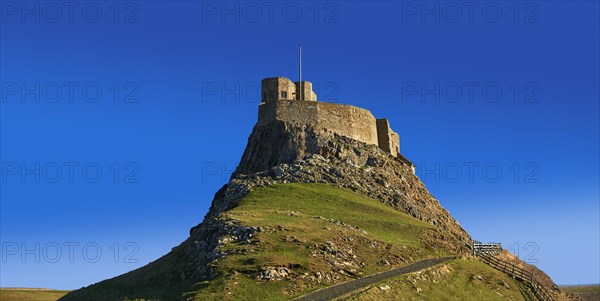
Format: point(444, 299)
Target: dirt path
point(341, 289)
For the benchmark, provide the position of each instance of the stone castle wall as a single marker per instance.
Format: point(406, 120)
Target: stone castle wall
point(272, 89)
point(292, 111)
point(281, 88)
point(304, 91)
point(344, 120)
point(395, 142)
point(389, 140)
point(296, 103)
point(349, 121)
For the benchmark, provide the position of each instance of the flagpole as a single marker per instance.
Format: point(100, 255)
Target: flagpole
point(300, 71)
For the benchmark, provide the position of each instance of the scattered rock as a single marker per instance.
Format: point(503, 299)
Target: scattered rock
point(278, 171)
point(273, 273)
point(302, 154)
point(504, 284)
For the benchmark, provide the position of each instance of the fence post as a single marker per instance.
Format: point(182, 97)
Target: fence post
point(487, 252)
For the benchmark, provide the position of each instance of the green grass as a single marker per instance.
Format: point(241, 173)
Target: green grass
point(380, 221)
point(380, 238)
point(24, 294)
point(293, 207)
point(581, 289)
point(456, 280)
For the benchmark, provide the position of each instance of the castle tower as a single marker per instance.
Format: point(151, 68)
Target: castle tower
point(281, 88)
point(388, 140)
point(304, 91)
point(277, 88)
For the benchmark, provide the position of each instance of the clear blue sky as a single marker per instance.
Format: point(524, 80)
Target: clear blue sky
point(120, 122)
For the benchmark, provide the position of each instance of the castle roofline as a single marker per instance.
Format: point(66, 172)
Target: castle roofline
point(276, 88)
point(276, 77)
point(283, 77)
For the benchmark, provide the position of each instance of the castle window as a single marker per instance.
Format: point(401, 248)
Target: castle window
point(284, 94)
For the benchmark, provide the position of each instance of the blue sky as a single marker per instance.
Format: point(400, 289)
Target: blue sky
point(119, 121)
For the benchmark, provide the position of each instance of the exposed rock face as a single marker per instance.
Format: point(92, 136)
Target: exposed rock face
point(280, 152)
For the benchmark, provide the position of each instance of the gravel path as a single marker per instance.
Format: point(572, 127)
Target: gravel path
point(341, 289)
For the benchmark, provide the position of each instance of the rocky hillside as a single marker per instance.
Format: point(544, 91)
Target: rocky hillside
point(280, 152)
point(304, 209)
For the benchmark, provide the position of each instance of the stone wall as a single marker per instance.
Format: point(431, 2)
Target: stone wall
point(389, 140)
point(281, 101)
point(296, 112)
point(344, 120)
point(349, 121)
point(273, 87)
point(394, 142)
point(383, 134)
point(304, 90)
point(281, 88)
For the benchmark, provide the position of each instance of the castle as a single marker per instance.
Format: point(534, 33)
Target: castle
point(296, 103)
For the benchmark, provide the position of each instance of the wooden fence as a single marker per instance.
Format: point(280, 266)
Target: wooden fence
point(487, 255)
point(488, 248)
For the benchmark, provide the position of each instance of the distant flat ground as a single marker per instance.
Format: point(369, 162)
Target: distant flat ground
point(30, 294)
point(587, 292)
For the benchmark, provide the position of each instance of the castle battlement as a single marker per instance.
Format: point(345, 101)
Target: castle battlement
point(281, 102)
point(281, 88)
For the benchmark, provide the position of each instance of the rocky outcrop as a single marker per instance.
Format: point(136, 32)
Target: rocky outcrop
point(178, 272)
point(280, 153)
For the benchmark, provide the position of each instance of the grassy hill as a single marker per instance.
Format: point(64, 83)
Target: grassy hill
point(308, 228)
point(461, 279)
point(307, 219)
point(306, 237)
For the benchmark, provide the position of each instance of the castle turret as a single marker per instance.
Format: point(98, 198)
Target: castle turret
point(304, 91)
point(278, 88)
point(388, 140)
point(281, 88)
